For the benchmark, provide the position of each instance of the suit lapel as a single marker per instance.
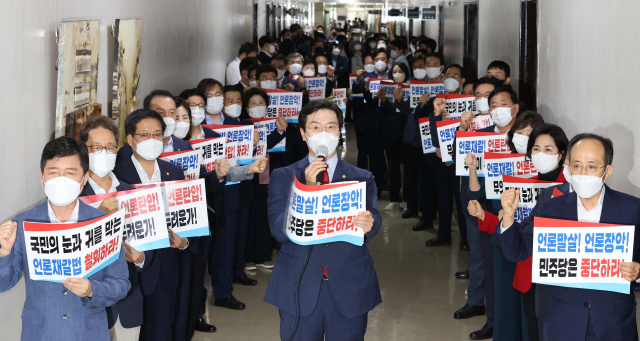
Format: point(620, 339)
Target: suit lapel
point(571, 206)
point(339, 174)
point(302, 165)
point(610, 206)
point(129, 172)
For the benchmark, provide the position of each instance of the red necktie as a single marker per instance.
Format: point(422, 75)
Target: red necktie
point(325, 180)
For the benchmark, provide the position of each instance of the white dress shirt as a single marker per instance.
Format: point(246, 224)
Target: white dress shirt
point(144, 177)
point(331, 165)
point(233, 72)
point(99, 190)
point(168, 148)
point(209, 120)
point(72, 219)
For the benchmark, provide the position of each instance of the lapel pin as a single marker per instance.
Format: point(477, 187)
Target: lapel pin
point(167, 173)
point(344, 176)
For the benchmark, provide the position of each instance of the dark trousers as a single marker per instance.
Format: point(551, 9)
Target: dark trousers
point(198, 294)
point(529, 309)
point(448, 190)
point(179, 328)
point(487, 254)
point(325, 322)
point(427, 197)
point(475, 288)
point(508, 317)
point(371, 156)
point(159, 311)
point(402, 153)
point(260, 243)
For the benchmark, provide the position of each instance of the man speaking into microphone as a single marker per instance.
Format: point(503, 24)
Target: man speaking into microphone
point(323, 291)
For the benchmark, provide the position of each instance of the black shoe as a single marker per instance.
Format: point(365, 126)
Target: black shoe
point(423, 225)
point(468, 311)
point(483, 334)
point(203, 326)
point(437, 241)
point(410, 214)
point(244, 280)
point(464, 246)
point(230, 303)
point(462, 274)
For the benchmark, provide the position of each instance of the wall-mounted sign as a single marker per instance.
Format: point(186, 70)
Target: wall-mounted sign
point(429, 12)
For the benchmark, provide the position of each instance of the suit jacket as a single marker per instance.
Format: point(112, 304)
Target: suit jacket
point(52, 312)
point(160, 266)
point(352, 277)
point(394, 121)
point(130, 307)
point(178, 145)
point(287, 80)
point(264, 58)
point(567, 309)
point(341, 70)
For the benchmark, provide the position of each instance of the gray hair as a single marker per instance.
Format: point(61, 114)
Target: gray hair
point(294, 55)
point(606, 144)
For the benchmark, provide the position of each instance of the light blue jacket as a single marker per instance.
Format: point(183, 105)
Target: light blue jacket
point(51, 312)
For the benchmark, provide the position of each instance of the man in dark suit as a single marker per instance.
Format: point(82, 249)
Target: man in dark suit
point(339, 287)
point(267, 49)
point(160, 278)
point(340, 63)
point(571, 313)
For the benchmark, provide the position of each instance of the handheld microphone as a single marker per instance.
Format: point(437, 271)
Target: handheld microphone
point(321, 152)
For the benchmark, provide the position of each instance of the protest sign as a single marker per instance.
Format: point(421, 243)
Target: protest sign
point(261, 147)
point(243, 135)
point(59, 251)
point(144, 220)
point(447, 133)
point(339, 94)
point(285, 104)
point(352, 79)
point(270, 125)
point(477, 143)
point(425, 136)
point(456, 105)
point(188, 160)
point(210, 149)
point(315, 87)
point(581, 255)
point(374, 85)
point(388, 88)
point(498, 164)
point(418, 88)
point(326, 213)
point(530, 190)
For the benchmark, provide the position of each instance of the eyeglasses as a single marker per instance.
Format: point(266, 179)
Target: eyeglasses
point(96, 148)
point(146, 136)
point(316, 128)
point(590, 168)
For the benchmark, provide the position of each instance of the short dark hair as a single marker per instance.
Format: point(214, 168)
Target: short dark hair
point(487, 80)
point(313, 107)
point(435, 55)
point(279, 56)
point(498, 64)
point(283, 32)
point(65, 146)
point(422, 52)
point(248, 48)
point(208, 83)
point(246, 97)
point(155, 93)
point(429, 43)
point(246, 63)
point(400, 44)
point(469, 81)
point(264, 40)
point(606, 143)
point(98, 122)
point(370, 55)
point(458, 66)
point(311, 61)
point(180, 102)
point(131, 123)
point(526, 119)
point(514, 96)
point(186, 94)
point(379, 51)
point(556, 133)
point(230, 88)
point(266, 69)
point(252, 68)
point(415, 59)
point(405, 70)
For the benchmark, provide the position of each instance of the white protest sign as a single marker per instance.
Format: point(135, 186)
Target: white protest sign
point(419, 88)
point(326, 213)
point(456, 105)
point(388, 88)
point(425, 136)
point(59, 251)
point(446, 135)
point(581, 255)
point(188, 160)
point(530, 190)
point(144, 220)
point(315, 87)
point(498, 164)
point(187, 207)
point(261, 147)
point(477, 143)
point(211, 149)
point(285, 104)
point(243, 134)
point(270, 125)
point(339, 94)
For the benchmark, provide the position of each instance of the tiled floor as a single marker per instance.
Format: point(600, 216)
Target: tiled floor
point(419, 292)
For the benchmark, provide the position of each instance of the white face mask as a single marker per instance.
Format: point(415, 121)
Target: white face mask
point(102, 163)
point(336, 52)
point(232, 110)
point(357, 47)
point(482, 105)
point(586, 186)
point(214, 104)
point(252, 84)
point(257, 112)
point(322, 69)
point(197, 116)
point(420, 73)
point(272, 49)
point(398, 77)
point(394, 54)
point(433, 72)
point(295, 68)
point(61, 190)
point(149, 149)
point(382, 46)
point(308, 73)
point(520, 141)
point(171, 126)
point(501, 116)
point(372, 45)
point(451, 85)
point(380, 66)
point(323, 139)
point(369, 68)
point(269, 85)
point(280, 73)
point(182, 128)
point(544, 163)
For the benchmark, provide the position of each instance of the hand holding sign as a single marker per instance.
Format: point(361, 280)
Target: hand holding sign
point(438, 105)
point(359, 75)
point(176, 241)
point(438, 153)
point(397, 94)
point(258, 166)
point(289, 87)
point(424, 99)
point(301, 82)
point(364, 220)
point(281, 124)
point(475, 210)
point(366, 83)
point(132, 255)
point(256, 137)
point(330, 70)
point(79, 286)
point(221, 168)
point(465, 120)
point(509, 200)
point(630, 270)
point(471, 161)
point(109, 205)
point(8, 234)
point(381, 96)
point(313, 169)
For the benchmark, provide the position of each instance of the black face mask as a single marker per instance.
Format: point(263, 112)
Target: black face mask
point(334, 34)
